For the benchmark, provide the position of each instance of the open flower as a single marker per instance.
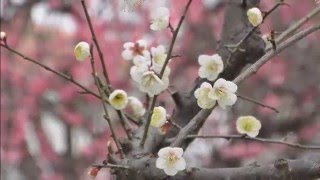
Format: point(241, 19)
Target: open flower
point(223, 92)
point(132, 51)
point(170, 160)
point(136, 106)
point(210, 66)
point(202, 95)
point(255, 16)
point(158, 57)
point(150, 83)
point(118, 99)
point(248, 125)
point(159, 19)
point(159, 117)
point(82, 51)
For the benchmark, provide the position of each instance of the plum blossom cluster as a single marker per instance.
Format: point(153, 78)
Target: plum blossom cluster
point(222, 92)
point(147, 66)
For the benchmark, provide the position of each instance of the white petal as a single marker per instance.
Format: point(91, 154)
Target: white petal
point(219, 83)
point(180, 164)
point(126, 54)
point(164, 151)
point(231, 87)
point(178, 151)
point(253, 133)
point(142, 43)
point(203, 59)
point(128, 45)
point(161, 163)
point(170, 171)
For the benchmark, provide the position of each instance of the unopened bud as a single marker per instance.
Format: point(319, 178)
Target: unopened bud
point(3, 36)
point(93, 172)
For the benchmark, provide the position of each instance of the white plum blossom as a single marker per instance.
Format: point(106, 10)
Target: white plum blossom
point(82, 51)
point(248, 125)
point(159, 117)
point(118, 99)
point(210, 66)
point(255, 16)
point(158, 57)
point(159, 18)
point(3, 35)
point(132, 51)
point(136, 106)
point(138, 69)
point(223, 92)
point(170, 160)
point(202, 96)
point(150, 83)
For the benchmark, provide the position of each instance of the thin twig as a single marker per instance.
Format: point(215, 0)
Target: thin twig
point(154, 99)
point(174, 37)
point(124, 123)
point(254, 68)
point(258, 103)
point(106, 116)
point(96, 43)
point(64, 76)
point(262, 140)
point(295, 26)
point(237, 47)
point(110, 166)
point(146, 128)
point(198, 119)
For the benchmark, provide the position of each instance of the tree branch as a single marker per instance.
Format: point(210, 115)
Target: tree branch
point(64, 76)
point(254, 68)
point(262, 140)
point(196, 121)
point(95, 40)
point(106, 116)
point(258, 103)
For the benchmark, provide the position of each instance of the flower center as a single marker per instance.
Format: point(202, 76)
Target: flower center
point(213, 67)
point(221, 92)
point(247, 126)
point(148, 81)
point(137, 49)
point(172, 158)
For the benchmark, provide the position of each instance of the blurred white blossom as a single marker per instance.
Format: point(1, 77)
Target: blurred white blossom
point(134, 51)
point(159, 18)
point(255, 16)
point(82, 51)
point(202, 95)
point(170, 160)
point(248, 125)
point(210, 66)
point(223, 92)
point(118, 99)
point(150, 83)
point(159, 117)
point(136, 106)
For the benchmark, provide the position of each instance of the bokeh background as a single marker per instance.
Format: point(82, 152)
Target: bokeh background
point(50, 131)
